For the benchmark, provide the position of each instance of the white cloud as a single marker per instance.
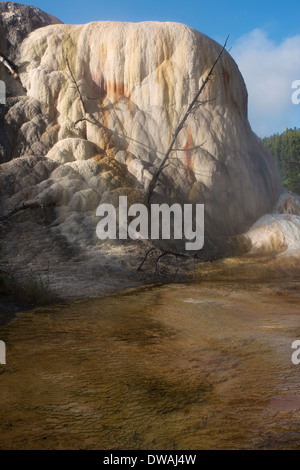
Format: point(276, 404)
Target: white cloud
point(269, 70)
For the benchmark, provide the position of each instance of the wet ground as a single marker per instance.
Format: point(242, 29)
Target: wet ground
point(190, 366)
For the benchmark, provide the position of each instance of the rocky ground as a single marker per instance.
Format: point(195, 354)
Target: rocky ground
point(70, 272)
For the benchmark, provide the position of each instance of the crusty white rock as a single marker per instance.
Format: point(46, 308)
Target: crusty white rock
point(136, 81)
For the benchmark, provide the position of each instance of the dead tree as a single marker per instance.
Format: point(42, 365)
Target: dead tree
point(191, 107)
point(82, 103)
point(195, 103)
point(76, 86)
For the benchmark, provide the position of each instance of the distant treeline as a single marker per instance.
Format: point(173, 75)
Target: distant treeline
point(286, 150)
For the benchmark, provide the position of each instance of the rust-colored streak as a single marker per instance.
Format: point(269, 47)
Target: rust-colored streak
point(100, 85)
point(233, 100)
point(106, 136)
point(103, 89)
point(115, 89)
point(98, 157)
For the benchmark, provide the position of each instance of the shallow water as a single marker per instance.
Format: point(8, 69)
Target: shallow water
point(194, 366)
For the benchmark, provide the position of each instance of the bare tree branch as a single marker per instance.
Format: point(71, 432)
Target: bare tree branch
point(202, 103)
point(81, 120)
point(23, 207)
point(189, 149)
point(157, 173)
point(76, 86)
point(162, 253)
point(145, 257)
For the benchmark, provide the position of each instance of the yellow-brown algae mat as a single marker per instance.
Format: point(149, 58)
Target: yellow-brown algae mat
point(191, 366)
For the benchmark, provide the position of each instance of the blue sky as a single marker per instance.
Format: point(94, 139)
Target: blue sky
point(216, 19)
point(264, 36)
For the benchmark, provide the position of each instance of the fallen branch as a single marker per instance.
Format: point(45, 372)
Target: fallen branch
point(23, 207)
point(163, 253)
point(145, 257)
point(178, 254)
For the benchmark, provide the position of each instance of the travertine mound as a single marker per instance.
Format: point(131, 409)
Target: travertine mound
point(280, 231)
point(96, 111)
